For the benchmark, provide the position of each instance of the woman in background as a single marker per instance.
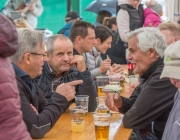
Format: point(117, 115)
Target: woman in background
point(94, 62)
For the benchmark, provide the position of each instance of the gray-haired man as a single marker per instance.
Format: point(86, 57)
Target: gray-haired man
point(38, 115)
point(62, 67)
point(152, 100)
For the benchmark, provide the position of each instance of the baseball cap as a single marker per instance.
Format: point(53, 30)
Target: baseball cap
point(172, 61)
point(72, 15)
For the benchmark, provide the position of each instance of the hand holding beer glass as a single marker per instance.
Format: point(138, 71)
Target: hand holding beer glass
point(77, 118)
point(102, 123)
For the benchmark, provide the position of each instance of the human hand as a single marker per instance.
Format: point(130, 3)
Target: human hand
point(150, 24)
point(116, 68)
point(113, 101)
point(34, 109)
point(79, 62)
point(31, 6)
point(68, 90)
point(106, 64)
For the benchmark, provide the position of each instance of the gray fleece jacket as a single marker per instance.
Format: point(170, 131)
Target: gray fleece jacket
point(93, 62)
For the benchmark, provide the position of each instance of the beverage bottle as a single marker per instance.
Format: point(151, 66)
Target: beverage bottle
point(130, 69)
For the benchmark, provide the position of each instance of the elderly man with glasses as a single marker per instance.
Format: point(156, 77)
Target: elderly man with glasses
point(148, 108)
point(39, 115)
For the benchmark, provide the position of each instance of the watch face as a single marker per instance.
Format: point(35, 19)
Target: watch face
point(15, 15)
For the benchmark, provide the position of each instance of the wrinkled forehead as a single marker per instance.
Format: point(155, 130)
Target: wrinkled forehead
point(63, 45)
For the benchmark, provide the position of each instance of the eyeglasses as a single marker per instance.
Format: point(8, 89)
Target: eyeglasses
point(43, 55)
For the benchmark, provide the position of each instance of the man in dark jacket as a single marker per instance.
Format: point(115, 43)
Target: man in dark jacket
point(38, 115)
point(70, 18)
point(152, 100)
point(62, 67)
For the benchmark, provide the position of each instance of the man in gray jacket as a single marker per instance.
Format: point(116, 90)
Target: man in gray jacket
point(34, 9)
point(171, 70)
point(62, 67)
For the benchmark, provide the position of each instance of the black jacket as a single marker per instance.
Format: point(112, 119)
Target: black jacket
point(150, 102)
point(87, 88)
point(117, 51)
point(136, 18)
point(49, 113)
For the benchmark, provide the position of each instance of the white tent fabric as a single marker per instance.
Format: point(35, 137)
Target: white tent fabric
point(172, 7)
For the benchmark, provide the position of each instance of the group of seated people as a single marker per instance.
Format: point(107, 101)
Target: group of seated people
point(41, 79)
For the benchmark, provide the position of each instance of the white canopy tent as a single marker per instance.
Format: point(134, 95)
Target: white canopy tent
point(172, 7)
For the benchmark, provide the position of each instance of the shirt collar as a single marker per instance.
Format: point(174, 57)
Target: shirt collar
point(75, 52)
point(19, 71)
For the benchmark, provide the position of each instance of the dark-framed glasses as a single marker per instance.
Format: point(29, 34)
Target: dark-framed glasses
point(43, 55)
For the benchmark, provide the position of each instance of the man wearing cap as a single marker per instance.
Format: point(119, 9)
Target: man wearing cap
point(171, 70)
point(70, 18)
point(148, 108)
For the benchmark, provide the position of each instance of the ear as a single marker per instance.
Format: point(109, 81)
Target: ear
point(152, 53)
point(78, 39)
point(176, 38)
point(27, 58)
point(48, 57)
point(98, 40)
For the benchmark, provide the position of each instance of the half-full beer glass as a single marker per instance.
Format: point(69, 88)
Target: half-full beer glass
point(102, 108)
point(77, 118)
point(101, 82)
point(102, 122)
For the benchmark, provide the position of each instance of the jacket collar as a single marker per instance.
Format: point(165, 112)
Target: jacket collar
point(152, 67)
point(95, 52)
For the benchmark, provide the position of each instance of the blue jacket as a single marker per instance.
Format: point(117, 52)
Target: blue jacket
point(66, 29)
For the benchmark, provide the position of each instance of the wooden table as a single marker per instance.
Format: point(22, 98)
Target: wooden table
point(62, 129)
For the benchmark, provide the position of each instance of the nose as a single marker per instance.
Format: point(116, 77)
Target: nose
point(129, 56)
point(65, 57)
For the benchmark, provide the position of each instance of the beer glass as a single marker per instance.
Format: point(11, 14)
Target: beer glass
point(82, 100)
point(102, 123)
point(77, 118)
point(101, 82)
point(102, 108)
point(114, 80)
point(133, 79)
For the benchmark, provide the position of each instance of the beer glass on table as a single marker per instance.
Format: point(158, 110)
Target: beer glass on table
point(102, 123)
point(101, 82)
point(82, 100)
point(77, 118)
point(102, 108)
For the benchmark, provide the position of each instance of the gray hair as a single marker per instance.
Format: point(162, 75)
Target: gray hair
point(149, 37)
point(27, 43)
point(50, 42)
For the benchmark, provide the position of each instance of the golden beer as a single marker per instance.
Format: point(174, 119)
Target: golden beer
point(100, 92)
point(102, 132)
point(103, 111)
point(77, 126)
